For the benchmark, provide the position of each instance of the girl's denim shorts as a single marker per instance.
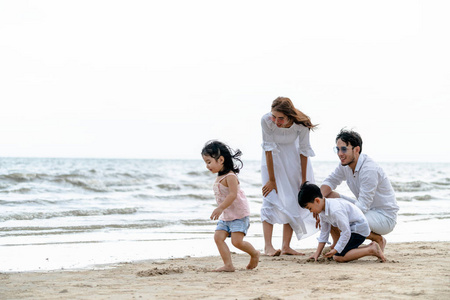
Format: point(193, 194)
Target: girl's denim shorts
point(238, 225)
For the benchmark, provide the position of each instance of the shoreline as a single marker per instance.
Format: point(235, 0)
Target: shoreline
point(414, 269)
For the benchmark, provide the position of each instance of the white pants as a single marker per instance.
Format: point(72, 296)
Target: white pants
point(378, 222)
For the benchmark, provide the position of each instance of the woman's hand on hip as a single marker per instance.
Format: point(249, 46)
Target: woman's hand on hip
point(268, 187)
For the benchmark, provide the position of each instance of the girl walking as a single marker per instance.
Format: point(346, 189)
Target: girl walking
point(233, 210)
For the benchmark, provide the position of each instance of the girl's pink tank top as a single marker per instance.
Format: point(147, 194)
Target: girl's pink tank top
point(239, 208)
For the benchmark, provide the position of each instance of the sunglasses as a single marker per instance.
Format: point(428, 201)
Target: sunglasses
point(343, 150)
point(275, 119)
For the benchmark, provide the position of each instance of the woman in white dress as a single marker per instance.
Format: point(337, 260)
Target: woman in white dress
point(284, 167)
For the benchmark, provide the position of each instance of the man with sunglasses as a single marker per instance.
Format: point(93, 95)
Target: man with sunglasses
point(369, 184)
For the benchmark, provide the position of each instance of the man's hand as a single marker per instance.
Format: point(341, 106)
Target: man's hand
point(316, 216)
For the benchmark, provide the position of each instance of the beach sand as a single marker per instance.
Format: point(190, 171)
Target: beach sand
point(419, 270)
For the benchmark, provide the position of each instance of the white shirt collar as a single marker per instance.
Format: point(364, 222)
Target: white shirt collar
point(361, 160)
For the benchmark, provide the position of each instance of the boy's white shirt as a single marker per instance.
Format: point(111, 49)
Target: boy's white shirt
point(344, 215)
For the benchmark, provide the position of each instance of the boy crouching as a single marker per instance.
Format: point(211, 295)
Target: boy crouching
point(344, 215)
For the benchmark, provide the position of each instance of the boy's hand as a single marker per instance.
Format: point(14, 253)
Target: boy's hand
point(315, 256)
point(216, 213)
point(331, 253)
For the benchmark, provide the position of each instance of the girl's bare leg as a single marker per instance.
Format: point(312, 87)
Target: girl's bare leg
point(268, 247)
point(220, 237)
point(237, 238)
point(287, 236)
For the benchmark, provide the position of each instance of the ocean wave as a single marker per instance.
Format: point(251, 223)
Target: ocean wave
point(87, 180)
point(412, 186)
point(428, 219)
point(102, 186)
point(432, 215)
point(70, 213)
point(174, 197)
point(91, 185)
point(169, 186)
point(22, 190)
point(418, 198)
point(197, 222)
point(28, 202)
point(198, 173)
point(22, 177)
point(421, 186)
point(143, 196)
point(197, 186)
point(184, 196)
point(445, 182)
point(77, 180)
point(74, 229)
point(423, 197)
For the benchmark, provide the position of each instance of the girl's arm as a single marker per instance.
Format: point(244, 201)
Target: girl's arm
point(303, 164)
point(271, 184)
point(232, 183)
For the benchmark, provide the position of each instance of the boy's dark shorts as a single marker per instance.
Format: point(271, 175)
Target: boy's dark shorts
point(353, 243)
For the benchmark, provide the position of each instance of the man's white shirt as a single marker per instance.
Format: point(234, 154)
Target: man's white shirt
point(369, 184)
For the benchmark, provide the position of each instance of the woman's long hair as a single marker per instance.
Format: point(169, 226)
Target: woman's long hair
point(284, 105)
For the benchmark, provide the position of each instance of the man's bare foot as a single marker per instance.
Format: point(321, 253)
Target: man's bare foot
point(272, 252)
point(377, 251)
point(381, 241)
point(378, 239)
point(254, 260)
point(225, 269)
point(290, 251)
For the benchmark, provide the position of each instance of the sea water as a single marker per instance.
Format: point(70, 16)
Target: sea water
point(61, 213)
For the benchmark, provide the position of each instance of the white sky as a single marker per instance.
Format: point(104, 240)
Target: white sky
point(157, 79)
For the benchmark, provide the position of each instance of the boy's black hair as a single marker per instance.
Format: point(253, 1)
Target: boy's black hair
point(350, 137)
point(232, 162)
point(308, 192)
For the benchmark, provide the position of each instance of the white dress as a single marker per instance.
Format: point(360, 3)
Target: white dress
point(286, 145)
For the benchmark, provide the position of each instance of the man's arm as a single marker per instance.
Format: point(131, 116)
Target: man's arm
point(368, 180)
point(325, 190)
point(332, 181)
